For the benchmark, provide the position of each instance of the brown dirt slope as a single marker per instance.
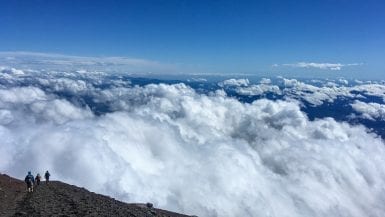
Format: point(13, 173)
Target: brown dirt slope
point(60, 199)
point(11, 192)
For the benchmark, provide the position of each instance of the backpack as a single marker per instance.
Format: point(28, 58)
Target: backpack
point(28, 180)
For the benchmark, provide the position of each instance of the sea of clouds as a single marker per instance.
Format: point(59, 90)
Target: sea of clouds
point(202, 154)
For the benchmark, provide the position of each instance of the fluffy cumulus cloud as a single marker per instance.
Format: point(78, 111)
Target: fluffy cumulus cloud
point(295, 89)
point(265, 81)
point(243, 86)
point(259, 89)
point(12, 71)
point(369, 111)
point(235, 82)
point(377, 90)
point(343, 81)
point(314, 94)
point(330, 66)
point(202, 154)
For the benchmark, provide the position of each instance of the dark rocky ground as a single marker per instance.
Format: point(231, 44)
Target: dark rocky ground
point(60, 199)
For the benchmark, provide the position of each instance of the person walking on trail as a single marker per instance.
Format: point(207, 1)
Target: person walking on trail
point(47, 175)
point(29, 180)
point(37, 179)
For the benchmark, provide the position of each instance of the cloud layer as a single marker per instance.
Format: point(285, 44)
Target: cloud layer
point(329, 66)
point(202, 154)
point(59, 62)
point(371, 111)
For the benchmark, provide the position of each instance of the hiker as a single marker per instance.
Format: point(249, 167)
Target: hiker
point(29, 180)
point(47, 175)
point(37, 179)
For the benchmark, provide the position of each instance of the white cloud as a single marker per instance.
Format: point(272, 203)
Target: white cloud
point(314, 95)
point(322, 91)
point(234, 82)
point(371, 111)
point(343, 81)
point(34, 101)
point(330, 66)
point(243, 86)
point(60, 62)
point(12, 71)
point(371, 89)
point(198, 79)
point(22, 95)
point(328, 91)
point(265, 81)
point(208, 155)
point(259, 89)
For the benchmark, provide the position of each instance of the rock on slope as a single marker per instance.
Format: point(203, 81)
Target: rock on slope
point(60, 199)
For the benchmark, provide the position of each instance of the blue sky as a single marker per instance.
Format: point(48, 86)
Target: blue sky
point(262, 37)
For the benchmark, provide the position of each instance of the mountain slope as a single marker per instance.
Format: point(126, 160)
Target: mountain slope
point(60, 199)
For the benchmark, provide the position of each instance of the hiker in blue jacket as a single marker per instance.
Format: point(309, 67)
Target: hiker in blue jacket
point(29, 180)
point(46, 176)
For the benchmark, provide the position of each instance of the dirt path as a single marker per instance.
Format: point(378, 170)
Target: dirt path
point(60, 199)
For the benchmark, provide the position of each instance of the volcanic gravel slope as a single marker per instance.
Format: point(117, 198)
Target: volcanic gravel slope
point(60, 199)
point(11, 191)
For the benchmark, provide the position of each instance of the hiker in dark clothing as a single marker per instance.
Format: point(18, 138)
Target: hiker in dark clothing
point(37, 179)
point(29, 180)
point(47, 175)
